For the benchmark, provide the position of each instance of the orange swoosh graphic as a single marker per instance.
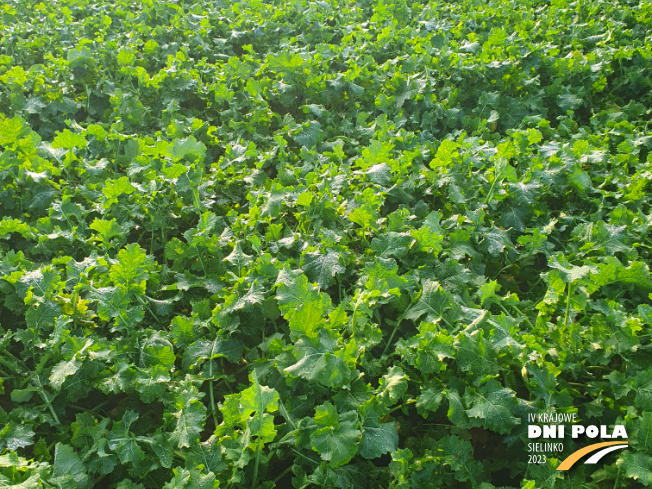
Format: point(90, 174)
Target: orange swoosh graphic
point(575, 456)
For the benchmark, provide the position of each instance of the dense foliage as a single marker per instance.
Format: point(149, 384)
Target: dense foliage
point(336, 244)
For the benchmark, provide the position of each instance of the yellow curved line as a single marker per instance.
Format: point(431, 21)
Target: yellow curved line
point(575, 456)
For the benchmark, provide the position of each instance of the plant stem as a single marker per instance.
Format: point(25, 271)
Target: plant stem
point(145, 304)
point(391, 336)
point(49, 403)
point(75, 296)
point(518, 311)
point(256, 463)
point(567, 305)
point(151, 241)
point(163, 245)
point(201, 262)
point(536, 283)
point(617, 481)
point(285, 414)
point(406, 403)
point(92, 410)
point(491, 191)
point(339, 287)
point(510, 265)
point(304, 456)
point(526, 318)
point(211, 394)
point(282, 474)
point(196, 202)
point(261, 409)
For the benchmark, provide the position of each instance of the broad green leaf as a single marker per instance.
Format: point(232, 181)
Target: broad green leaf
point(152, 383)
point(382, 281)
point(613, 271)
point(324, 362)
point(434, 305)
point(429, 236)
point(112, 302)
point(365, 216)
point(579, 179)
point(156, 350)
point(115, 188)
point(488, 291)
point(42, 316)
point(475, 354)
point(570, 273)
point(68, 140)
point(207, 455)
point(427, 351)
point(305, 198)
point(391, 244)
point(542, 382)
point(258, 398)
point(378, 152)
point(182, 330)
point(380, 173)
point(495, 241)
point(40, 282)
point(187, 415)
point(303, 306)
point(252, 408)
point(125, 57)
point(643, 399)
point(446, 154)
point(175, 171)
point(285, 61)
point(326, 415)
point(346, 477)
point(238, 258)
point(15, 76)
point(336, 444)
point(456, 411)
point(322, 267)
point(61, 371)
point(202, 350)
point(66, 368)
point(495, 405)
point(22, 395)
point(191, 479)
point(8, 226)
point(255, 295)
point(106, 229)
point(68, 467)
point(377, 438)
point(123, 442)
point(310, 134)
point(503, 170)
point(393, 385)
point(189, 149)
point(15, 435)
point(132, 268)
point(458, 454)
point(11, 130)
point(429, 400)
point(637, 466)
point(515, 218)
point(644, 435)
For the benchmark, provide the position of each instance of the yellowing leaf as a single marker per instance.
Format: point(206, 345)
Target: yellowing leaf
point(68, 140)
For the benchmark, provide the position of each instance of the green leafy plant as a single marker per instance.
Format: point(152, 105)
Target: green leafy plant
point(338, 244)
